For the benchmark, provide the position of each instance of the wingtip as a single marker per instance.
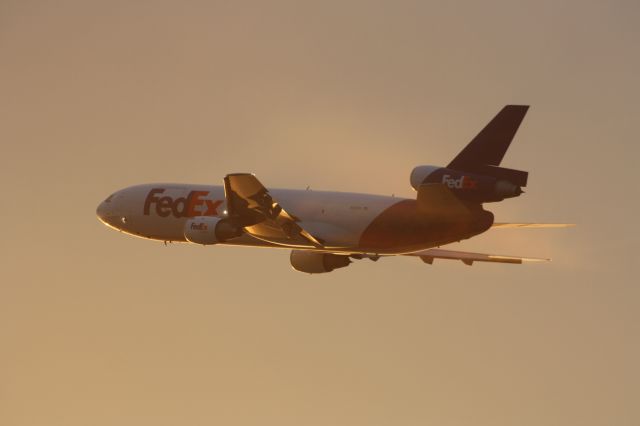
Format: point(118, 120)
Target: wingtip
point(507, 225)
point(240, 174)
point(536, 259)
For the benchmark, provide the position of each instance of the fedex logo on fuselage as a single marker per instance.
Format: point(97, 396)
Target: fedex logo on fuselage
point(464, 182)
point(194, 204)
point(199, 226)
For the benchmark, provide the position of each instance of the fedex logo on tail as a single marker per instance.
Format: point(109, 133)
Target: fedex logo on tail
point(463, 182)
point(194, 204)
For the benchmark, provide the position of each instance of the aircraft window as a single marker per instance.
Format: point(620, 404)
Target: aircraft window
point(123, 219)
point(109, 198)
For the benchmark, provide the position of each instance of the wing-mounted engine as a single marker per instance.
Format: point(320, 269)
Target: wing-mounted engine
point(499, 183)
point(317, 263)
point(208, 230)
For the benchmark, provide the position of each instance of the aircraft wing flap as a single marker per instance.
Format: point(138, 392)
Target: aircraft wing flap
point(252, 207)
point(468, 258)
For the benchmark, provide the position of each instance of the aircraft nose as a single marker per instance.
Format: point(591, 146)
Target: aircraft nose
point(101, 211)
point(106, 213)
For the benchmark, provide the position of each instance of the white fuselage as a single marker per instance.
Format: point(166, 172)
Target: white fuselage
point(347, 222)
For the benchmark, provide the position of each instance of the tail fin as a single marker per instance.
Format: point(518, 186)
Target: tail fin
point(490, 145)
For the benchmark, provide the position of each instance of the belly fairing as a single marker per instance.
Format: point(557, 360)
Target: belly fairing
point(402, 228)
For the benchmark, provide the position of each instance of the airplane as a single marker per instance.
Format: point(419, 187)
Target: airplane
point(327, 230)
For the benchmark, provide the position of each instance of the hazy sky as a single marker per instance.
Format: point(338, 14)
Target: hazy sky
point(97, 328)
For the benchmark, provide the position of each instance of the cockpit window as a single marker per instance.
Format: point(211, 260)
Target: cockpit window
point(109, 198)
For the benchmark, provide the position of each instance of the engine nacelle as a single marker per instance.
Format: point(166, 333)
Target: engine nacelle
point(473, 187)
point(317, 263)
point(420, 174)
point(209, 230)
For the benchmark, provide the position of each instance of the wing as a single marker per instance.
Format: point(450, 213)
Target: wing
point(251, 206)
point(532, 225)
point(468, 258)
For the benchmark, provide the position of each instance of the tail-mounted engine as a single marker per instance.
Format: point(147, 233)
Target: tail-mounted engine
point(475, 174)
point(487, 184)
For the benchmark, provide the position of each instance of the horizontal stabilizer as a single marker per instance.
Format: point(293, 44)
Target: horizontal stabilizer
point(468, 258)
point(517, 177)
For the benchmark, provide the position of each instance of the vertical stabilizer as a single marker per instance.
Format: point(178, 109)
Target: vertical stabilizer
point(490, 145)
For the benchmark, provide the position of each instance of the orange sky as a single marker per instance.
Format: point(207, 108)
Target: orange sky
point(99, 328)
